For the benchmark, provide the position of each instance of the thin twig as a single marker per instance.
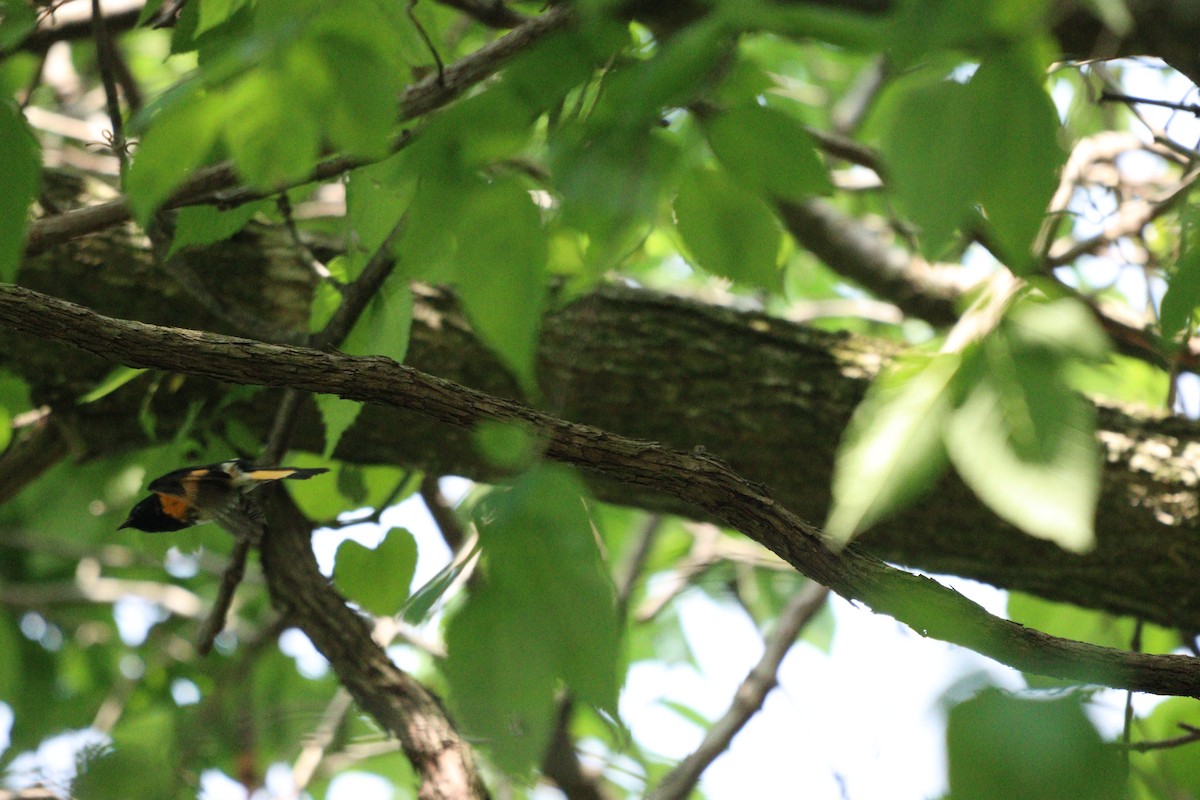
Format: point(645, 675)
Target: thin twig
point(106, 57)
point(1117, 97)
point(1192, 735)
point(230, 579)
point(748, 699)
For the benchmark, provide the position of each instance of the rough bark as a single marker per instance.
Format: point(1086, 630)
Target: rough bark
point(697, 478)
point(769, 397)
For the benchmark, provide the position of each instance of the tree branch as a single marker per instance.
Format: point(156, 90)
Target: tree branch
point(419, 99)
point(695, 478)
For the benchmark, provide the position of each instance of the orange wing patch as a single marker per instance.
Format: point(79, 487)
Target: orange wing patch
point(175, 507)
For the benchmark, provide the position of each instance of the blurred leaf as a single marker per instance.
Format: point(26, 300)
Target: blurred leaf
point(377, 580)
point(544, 616)
point(1015, 138)
point(417, 609)
point(176, 141)
point(1087, 625)
point(273, 139)
point(10, 656)
point(384, 326)
point(996, 137)
point(337, 415)
point(935, 193)
point(140, 763)
point(504, 445)
point(201, 225)
point(728, 230)
point(1022, 439)
point(215, 12)
point(500, 273)
point(1004, 746)
point(17, 20)
point(113, 381)
point(376, 196)
point(1183, 288)
point(1176, 767)
point(892, 450)
point(20, 180)
point(768, 151)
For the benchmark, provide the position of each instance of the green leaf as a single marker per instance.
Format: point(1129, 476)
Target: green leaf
point(936, 193)
point(1183, 289)
point(1003, 746)
point(10, 656)
point(1087, 625)
point(141, 759)
point(1177, 767)
point(892, 450)
point(177, 141)
point(383, 328)
point(215, 12)
point(1015, 138)
point(17, 20)
point(417, 609)
point(544, 615)
point(728, 230)
point(360, 113)
point(1022, 439)
point(113, 381)
point(504, 445)
point(377, 580)
point(20, 180)
point(996, 144)
point(273, 138)
point(500, 273)
point(376, 196)
point(201, 225)
point(768, 151)
point(337, 415)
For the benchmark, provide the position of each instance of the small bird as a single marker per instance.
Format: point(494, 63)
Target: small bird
point(215, 493)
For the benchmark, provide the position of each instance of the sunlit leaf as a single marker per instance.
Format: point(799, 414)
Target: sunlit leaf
point(177, 141)
point(377, 579)
point(337, 415)
point(892, 451)
point(115, 380)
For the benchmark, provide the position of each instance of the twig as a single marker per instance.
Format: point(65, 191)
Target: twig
point(1117, 97)
point(230, 579)
point(1192, 735)
point(443, 515)
point(106, 58)
point(313, 751)
point(680, 781)
point(419, 99)
point(493, 13)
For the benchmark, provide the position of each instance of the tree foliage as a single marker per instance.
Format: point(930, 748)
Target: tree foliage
point(665, 280)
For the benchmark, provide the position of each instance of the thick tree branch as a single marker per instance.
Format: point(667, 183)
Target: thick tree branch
point(696, 478)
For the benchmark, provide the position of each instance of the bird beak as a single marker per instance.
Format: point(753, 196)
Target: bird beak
point(126, 524)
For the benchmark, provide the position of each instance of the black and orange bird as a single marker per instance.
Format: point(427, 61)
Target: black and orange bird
point(217, 493)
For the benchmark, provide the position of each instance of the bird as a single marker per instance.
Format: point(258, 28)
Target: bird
point(213, 493)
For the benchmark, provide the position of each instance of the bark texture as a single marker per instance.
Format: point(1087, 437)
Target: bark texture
point(768, 397)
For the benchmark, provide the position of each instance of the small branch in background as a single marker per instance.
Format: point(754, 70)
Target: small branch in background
point(1192, 735)
point(167, 14)
point(33, 450)
point(493, 13)
point(749, 698)
point(107, 59)
point(631, 571)
point(230, 579)
point(443, 514)
point(313, 751)
point(1118, 97)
